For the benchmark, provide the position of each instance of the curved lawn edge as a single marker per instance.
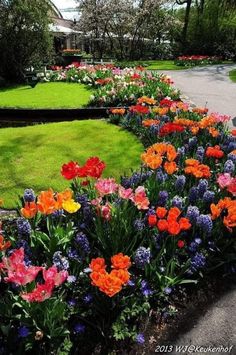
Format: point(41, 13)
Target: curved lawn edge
point(232, 75)
point(51, 115)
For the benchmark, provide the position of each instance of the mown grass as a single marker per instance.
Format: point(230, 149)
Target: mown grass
point(163, 65)
point(232, 75)
point(46, 95)
point(31, 157)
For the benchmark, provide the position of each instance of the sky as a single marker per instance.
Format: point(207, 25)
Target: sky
point(63, 4)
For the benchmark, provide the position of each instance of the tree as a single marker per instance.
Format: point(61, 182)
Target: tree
point(24, 36)
point(127, 25)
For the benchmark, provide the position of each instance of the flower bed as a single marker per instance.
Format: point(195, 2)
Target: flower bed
point(114, 86)
point(83, 268)
point(194, 60)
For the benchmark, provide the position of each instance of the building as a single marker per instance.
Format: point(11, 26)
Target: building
point(65, 35)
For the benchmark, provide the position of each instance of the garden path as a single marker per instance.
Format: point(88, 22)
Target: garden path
point(217, 327)
point(208, 86)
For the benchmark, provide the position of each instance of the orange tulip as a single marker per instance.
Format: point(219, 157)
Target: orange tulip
point(29, 210)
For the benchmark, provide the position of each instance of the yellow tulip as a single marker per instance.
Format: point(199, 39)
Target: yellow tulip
point(71, 206)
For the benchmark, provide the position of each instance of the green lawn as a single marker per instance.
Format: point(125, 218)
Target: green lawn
point(31, 157)
point(163, 65)
point(170, 65)
point(46, 95)
point(232, 75)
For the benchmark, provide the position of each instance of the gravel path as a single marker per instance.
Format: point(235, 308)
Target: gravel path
point(208, 86)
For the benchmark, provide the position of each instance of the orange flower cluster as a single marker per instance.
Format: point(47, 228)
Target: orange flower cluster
point(200, 110)
point(47, 203)
point(110, 283)
point(3, 244)
point(154, 156)
point(148, 123)
point(161, 111)
point(185, 122)
point(229, 206)
point(118, 111)
point(214, 152)
point(195, 126)
point(195, 168)
point(169, 221)
point(146, 100)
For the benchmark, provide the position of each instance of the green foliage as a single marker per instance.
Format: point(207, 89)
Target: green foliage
point(24, 36)
point(232, 75)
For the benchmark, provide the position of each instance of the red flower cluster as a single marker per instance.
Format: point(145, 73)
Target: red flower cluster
point(214, 152)
point(140, 109)
point(92, 168)
point(169, 221)
point(169, 128)
point(166, 103)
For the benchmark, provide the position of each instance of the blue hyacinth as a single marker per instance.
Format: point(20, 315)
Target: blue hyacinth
point(202, 187)
point(180, 182)
point(23, 227)
point(60, 261)
point(229, 167)
point(177, 202)
point(142, 257)
point(208, 197)
point(162, 198)
point(145, 289)
point(200, 153)
point(193, 214)
point(198, 261)
point(193, 195)
point(83, 243)
point(29, 195)
point(204, 222)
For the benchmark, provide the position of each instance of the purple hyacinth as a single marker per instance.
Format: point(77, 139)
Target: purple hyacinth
point(162, 198)
point(167, 290)
point(208, 197)
point(229, 167)
point(71, 302)
point(23, 227)
point(140, 338)
point(60, 261)
point(198, 261)
point(88, 298)
point(204, 222)
point(83, 243)
point(82, 199)
point(192, 142)
point(193, 195)
point(79, 328)
point(202, 187)
point(139, 225)
point(181, 151)
point(180, 182)
point(145, 289)
point(193, 214)
point(200, 153)
point(142, 257)
point(232, 157)
point(195, 245)
point(73, 254)
point(177, 202)
point(161, 176)
point(29, 195)
point(23, 331)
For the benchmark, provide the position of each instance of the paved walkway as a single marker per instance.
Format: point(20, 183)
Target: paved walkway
point(216, 328)
point(208, 86)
